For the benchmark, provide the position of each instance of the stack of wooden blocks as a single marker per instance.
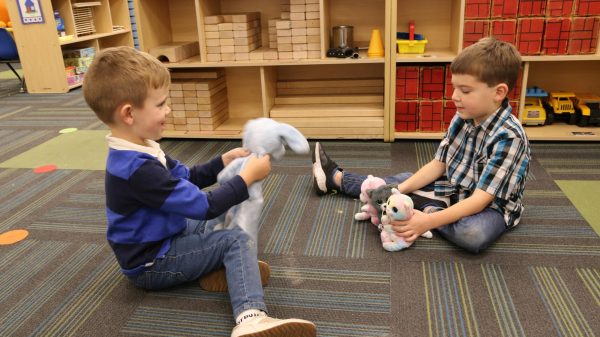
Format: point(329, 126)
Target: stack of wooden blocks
point(198, 101)
point(232, 37)
point(536, 27)
point(299, 36)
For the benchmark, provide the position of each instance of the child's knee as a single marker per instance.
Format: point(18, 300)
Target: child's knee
point(474, 240)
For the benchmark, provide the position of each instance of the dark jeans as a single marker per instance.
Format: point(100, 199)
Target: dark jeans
point(196, 252)
point(473, 233)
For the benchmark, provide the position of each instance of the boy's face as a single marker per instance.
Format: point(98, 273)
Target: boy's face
point(475, 99)
point(149, 120)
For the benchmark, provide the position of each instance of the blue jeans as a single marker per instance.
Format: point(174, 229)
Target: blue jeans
point(198, 251)
point(473, 233)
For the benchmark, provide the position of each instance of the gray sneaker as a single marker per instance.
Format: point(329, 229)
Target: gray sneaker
point(266, 326)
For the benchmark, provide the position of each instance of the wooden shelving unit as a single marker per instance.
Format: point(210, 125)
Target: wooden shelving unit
point(40, 49)
point(252, 85)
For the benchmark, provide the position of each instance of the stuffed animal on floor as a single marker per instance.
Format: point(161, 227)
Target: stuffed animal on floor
point(398, 207)
point(377, 198)
point(261, 136)
point(368, 211)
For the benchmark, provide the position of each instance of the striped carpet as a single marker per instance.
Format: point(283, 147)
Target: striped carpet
point(541, 279)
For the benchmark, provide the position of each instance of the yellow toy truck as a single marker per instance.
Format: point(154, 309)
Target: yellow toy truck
point(534, 112)
point(560, 105)
point(587, 108)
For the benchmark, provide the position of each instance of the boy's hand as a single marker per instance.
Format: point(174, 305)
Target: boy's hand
point(411, 229)
point(229, 156)
point(256, 169)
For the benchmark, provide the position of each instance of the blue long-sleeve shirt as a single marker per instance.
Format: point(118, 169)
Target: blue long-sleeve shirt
point(147, 203)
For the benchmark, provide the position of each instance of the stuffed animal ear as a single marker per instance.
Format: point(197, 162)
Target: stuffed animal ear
point(293, 138)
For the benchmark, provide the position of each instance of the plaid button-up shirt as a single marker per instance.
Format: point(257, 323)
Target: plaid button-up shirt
point(493, 156)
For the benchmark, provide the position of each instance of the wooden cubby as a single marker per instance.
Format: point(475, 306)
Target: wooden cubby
point(40, 49)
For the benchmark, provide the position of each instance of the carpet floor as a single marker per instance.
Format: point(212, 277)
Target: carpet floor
point(540, 279)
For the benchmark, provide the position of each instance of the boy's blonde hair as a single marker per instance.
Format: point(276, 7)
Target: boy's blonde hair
point(121, 75)
point(489, 60)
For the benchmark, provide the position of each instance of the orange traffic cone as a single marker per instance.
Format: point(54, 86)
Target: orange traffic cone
point(376, 44)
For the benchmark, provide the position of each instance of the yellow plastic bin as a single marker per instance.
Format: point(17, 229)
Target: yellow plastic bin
point(411, 46)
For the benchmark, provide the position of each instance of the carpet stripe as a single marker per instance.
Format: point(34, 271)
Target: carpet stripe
point(45, 198)
point(329, 300)
point(449, 306)
point(566, 163)
point(39, 258)
point(573, 171)
point(502, 302)
point(328, 228)
point(560, 305)
point(331, 275)
point(425, 151)
point(284, 231)
point(77, 214)
point(538, 230)
point(337, 329)
point(30, 303)
point(591, 280)
point(13, 198)
point(16, 252)
point(69, 227)
point(271, 187)
point(551, 212)
point(543, 194)
point(83, 301)
point(529, 248)
point(16, 139)
point(358, 235)
point(173, 322)
point(8, 114)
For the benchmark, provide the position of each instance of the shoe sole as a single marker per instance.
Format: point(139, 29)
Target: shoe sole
point(216, 281)
point(318, 173)
point(292, 329)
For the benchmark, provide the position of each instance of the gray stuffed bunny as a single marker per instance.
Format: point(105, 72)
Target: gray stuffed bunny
point(261, 136)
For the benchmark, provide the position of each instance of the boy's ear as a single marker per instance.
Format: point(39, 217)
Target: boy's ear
point(501, 91)
point(125, 113)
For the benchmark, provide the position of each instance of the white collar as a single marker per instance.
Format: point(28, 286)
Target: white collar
point(152, 148)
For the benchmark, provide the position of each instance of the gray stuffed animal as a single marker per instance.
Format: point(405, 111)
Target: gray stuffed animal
point(261, 136)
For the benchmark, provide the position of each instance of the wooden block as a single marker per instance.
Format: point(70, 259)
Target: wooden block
point(299, 55)
point(226, 34)
point(270, 54)
point(285, 55)
point(299, 24)
point(213, 42)
point(313, 31)
point(300, 39)
point(285, 15)
point(298, 31)
point(299, 47)
point(211, 20)
point(245, 17)
point(226, 42)
point(313, 46)
point(284, 39)
point(313, 15)
point(313, 39)
point(284, 47)
point(225, 26)
point(228, 57)
point(213, 57)
point(299, 16)
point(284, 32)
point(297, 2)
point(245, 33)
point(175, 51)
point(256, 55)
point(312, 1)
point(211, 35)
point(313, 23)
point(227, 49)
point(242, 56)
point(176, 86)
point(284, 24)
point(211, 28)
point(213, 49)
point(298, 8)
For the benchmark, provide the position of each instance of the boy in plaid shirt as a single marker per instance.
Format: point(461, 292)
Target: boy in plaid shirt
point(472, 191)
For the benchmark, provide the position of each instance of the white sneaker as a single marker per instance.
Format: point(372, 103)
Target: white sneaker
point(271, 327)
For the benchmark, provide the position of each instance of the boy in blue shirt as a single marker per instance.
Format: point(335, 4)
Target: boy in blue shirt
point(158, 216)
point(472, 191)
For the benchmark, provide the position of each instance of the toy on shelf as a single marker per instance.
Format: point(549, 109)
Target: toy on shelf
point(587, 109)
point(534, 112)
point(4, 18)
point(560, 103)
point(376, 44)
point(410, 43)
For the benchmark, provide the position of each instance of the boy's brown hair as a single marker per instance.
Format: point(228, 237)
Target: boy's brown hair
point(121, 75)
point(491, 61)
